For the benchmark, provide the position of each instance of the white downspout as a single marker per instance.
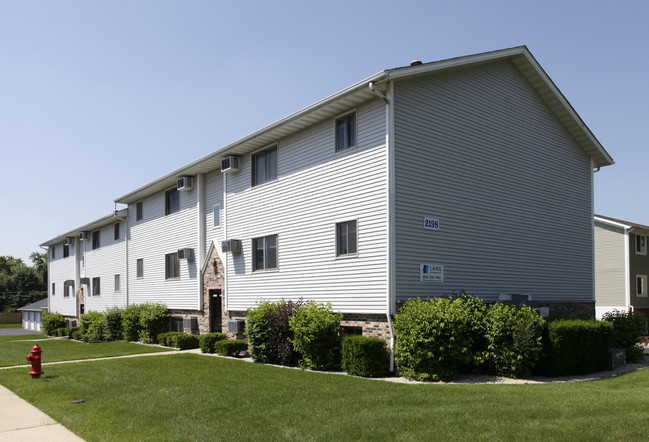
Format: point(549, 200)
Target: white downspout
point(224, 294)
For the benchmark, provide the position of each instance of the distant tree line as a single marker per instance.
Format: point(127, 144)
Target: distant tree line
point(21, 284)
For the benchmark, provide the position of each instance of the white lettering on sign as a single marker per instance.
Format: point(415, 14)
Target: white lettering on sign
point(431, 224)
point(431, 273)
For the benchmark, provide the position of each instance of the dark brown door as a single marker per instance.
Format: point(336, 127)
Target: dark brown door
point(216, 310)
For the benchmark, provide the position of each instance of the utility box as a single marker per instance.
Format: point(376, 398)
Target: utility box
point(616, 358)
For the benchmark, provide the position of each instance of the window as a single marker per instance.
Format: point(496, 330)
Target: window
point(53, 289)
point(172, 201)
point(640, 245)
point(216, 210)
point(53, 252)
point(264, 166)
point(138, 211)
point(346, 238)
point(641, 285)
point(66, 250)
point(172, 266)
point(96, 287)
point(68, 286)
point(264, 251)
point(140, 268)
point(346, 132)
point(116, 231)
point(117, 283)
point(95, 239)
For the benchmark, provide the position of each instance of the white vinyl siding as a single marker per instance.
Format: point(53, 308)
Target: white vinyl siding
point(104, 263)
point(213, 198)
point(479, 150)
point(60, 270)
point(610, 273)
point(316, 187)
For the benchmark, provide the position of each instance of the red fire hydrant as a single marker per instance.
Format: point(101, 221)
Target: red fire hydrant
point(34, 357)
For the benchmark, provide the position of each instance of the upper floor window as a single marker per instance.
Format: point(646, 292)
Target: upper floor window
point(95, 239)
point(138, 211)
point(66, 250)
point(641, 285)
point(96, 287)
point(172, 265)
point(264, 251)
point(118, 281)
point(53, 252)
point(264, 166)
point(54, 288)
point(139, 271)
point(346, 132)
point(116, 228)
point(346, 240)
point(172, 201)
point(216, 211)
point(640, 244)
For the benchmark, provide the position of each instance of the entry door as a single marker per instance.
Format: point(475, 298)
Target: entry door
point(215, 310)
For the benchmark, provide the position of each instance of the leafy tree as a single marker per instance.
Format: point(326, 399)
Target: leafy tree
point(21, 284)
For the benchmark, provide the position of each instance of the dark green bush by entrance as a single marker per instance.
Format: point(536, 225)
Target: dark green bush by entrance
point(206, 342)
point(365, 356)
point(628, 328)
point(230, 347)
point(154, 319)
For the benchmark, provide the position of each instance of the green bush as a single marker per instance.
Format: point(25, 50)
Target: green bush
point(70, 330)
point(576, 346)
point(94, 326)
point(230, 347)
point(269, 332)
point(513, 337)
point(206, 342)
point(154, 319)
point(628, 328)
point(59, 332)
point(131, 322)
point(166, 338)
point(436, 338)
point(317, 336)
point(114, 324)
point(184, 341)
point(76, 335)
point(365, 356)
point(51, 321)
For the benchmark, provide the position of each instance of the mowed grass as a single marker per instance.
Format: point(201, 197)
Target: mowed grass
point(194, 397)
point(14, 349)
point(4, 326)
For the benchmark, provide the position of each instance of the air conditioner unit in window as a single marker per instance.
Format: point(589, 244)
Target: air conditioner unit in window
point(231, 245)
point(236, 327)
point(185, 183)
point(84, 236)
point(186, 254)
point(230, 164)
point(68, 241)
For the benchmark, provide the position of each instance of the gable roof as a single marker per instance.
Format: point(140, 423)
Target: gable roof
point(627, 225)
point(37, 306)
point(360, 92)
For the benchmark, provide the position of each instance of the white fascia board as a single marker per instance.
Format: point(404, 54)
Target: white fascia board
point(94, 225)
point(612, 223)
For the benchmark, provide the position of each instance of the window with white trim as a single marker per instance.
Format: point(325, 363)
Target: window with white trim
point(172, 201)
point(264, 166)
point(172, 266)
point(139, 271)
point(139, 212)
point(53, 288)
point(96, 286)
point(264, 253)
point(346, 132)
point(66, 250)
point(118, 281)
point(116, 231)
point(53, 252)
point(95, 239)
point(640, 245)
point(641, 285)
point(216, 211)
point(346, 239)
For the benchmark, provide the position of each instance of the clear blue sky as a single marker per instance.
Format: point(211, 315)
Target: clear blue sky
point(100, 98)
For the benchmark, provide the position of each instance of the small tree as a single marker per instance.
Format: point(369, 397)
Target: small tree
point(131, 322)
point(317, 336)
point(154, 319)
point(51, 321)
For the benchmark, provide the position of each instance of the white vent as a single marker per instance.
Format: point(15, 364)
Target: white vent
point(68, 241)
point(185, 183)
point(84, 236)
point(186, 254)
point(230, 164)
point(231, 245)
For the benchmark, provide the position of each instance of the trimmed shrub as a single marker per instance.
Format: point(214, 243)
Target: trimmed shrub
point(184, 341)
point(317, 336)
point(154, 319)
point(206, 342)
point(51, 321)
point(513, 338)
point(436, 338)
point(94, 326)
point(131, 322)
point(166, 338)
point(70, 330)
point(76, 335)
point(59, 332)
point(230, 347)
point(365, 356)
point(628, 328)
point(269, 332)
point(114, 324)
point(576, 346)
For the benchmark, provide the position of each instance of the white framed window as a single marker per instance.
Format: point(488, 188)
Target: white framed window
point(95, 239)
point(346, 239)
point(53, 288)
point(264, 166)
point(641, 285)
point(118, 281)
point(216, 211)
point(66, 250)
point(139, 213)
point(346, 132)
point(172, 201)
point(116, 231)
point(172, 266)
point(640, 245)
point(264, 253)
point(53, 252)
point(96, 286)
point(139, 271)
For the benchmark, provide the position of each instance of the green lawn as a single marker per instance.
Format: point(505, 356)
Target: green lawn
point(194, 397)
point(3, 326)
point(14, 349)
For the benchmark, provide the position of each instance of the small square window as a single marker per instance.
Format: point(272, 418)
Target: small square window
point(216, 211)
point(641, 285)
point(346, 239)
point(172, 201)
point(172, 266)
point(140, 268)
point(116, 231)
point(640, 245)
point(264, 166)
point(118, 283)
point(96, 287)
point(264, 252)
point(95, 239)
point(346, 132)
point(138, 211)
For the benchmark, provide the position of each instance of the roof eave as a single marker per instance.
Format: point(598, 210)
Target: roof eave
point(94, 225)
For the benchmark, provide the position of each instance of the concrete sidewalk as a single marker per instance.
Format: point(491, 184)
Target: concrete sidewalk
point(21, 421)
